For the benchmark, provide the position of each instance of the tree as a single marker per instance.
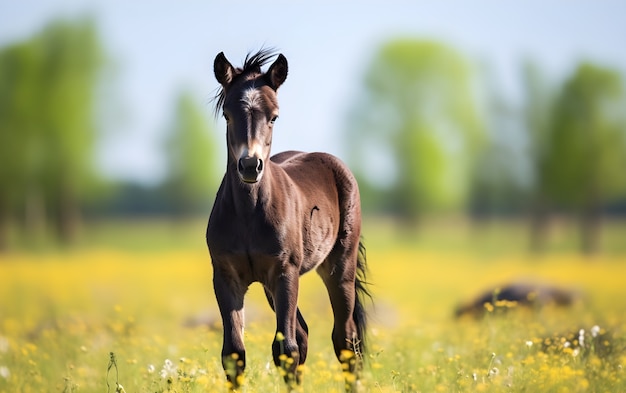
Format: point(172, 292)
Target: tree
point(501, 181)
point(192, 154)
point(19, 153)
point(72, 61)
point(48, 96)
point(415, 129)
point(538, 110)
point(586, 145)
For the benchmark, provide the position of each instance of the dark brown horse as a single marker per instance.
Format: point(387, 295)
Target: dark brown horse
point(276, 218)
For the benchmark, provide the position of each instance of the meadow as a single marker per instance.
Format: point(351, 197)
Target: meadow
point(132, 309)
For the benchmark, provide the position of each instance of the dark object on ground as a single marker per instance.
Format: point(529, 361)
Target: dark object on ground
point(517, 294)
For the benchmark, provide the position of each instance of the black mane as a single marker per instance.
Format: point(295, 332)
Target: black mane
point(252, 64)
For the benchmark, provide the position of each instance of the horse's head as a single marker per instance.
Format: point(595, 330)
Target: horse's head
point(250, 106)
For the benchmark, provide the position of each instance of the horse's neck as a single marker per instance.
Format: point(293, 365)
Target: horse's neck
point(246, 198)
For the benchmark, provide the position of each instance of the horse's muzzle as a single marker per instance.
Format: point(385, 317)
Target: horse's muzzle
point(250, 169)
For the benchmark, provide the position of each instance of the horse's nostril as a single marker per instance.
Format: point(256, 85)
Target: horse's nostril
point(250, 164)
point(250, 168)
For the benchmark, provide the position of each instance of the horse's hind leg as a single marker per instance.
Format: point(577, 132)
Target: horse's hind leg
point(339, 274)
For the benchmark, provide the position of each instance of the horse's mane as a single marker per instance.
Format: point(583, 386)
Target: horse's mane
point(251, 65)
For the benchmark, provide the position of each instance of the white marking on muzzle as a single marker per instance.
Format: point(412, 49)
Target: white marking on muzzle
point(254, 150)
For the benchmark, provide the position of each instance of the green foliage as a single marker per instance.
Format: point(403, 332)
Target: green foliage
point(47, 128)
point(419, 143)
point(587, 142)
point(192, 154)
point(419, 108)
point(19, 152)
point(69, 74)
point(580, 151)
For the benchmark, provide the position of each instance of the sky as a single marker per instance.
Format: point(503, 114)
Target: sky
point(159, 48)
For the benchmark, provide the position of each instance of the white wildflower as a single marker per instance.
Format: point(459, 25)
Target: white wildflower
point(4, 372)
point(581, 337)
point(151, 368)
point(4, 344)
point(529, 343)
point(168, 370)
point(575, 352)
point(566, 344)
point(595, 330)
point(493, 372)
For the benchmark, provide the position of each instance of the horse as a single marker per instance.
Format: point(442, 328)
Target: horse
point(276, 218)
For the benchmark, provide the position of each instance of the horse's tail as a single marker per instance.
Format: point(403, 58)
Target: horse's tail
point(362, 292)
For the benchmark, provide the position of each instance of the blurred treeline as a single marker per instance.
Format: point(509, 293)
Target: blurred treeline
point(429, 134)
point(51, 88)
point(432, 133)
point(47, 127)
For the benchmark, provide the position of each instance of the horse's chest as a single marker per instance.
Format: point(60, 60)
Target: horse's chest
point(257, 245)
point(230, 236)
point(253, 248)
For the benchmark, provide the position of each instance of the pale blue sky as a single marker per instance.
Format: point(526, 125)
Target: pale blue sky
point(162, 46)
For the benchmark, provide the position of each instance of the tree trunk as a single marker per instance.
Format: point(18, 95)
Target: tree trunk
point(539, 219)
point(590, 230)
point(67, 217)
point(4, 224)
point(34, 216)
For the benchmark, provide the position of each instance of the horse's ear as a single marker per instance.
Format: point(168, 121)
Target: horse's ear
point(277, 72)
point(224, 71)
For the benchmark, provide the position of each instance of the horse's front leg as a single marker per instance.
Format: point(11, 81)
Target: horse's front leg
point(230, 295)
point(285, 346)
point(302, 330)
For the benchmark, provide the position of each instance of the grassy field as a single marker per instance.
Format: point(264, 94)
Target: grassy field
point(142, 291)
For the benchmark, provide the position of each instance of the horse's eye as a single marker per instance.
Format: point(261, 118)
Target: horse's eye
point(273, 119)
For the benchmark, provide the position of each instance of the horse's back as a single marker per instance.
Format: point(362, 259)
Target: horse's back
point(281, 157)
point(315, 167)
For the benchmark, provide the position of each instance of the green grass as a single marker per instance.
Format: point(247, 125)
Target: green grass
point(143, 291)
